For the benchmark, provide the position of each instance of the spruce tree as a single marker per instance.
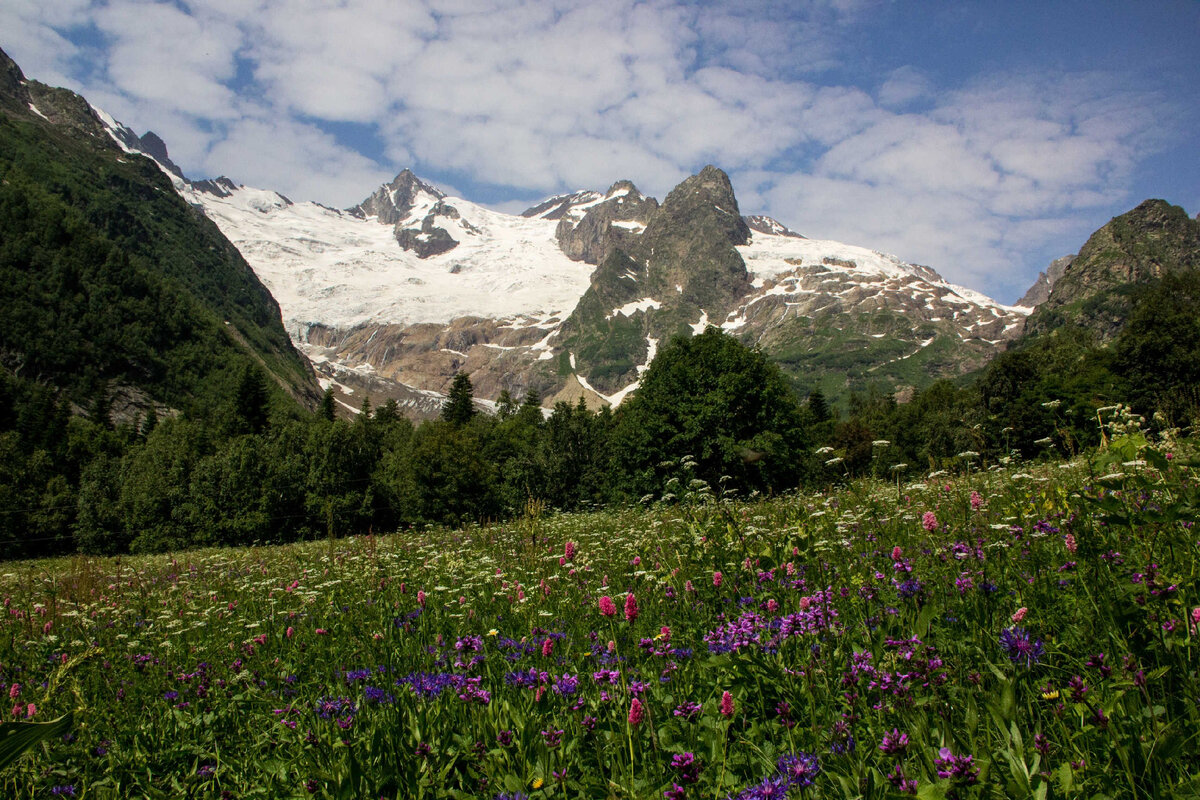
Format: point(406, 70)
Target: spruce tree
point(459, 406)
point(327, 410)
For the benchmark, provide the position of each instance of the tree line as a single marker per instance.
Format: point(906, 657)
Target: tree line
point(711, 417)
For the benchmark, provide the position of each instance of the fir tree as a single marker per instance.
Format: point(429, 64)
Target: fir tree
point(459, 406)
point(327, 410)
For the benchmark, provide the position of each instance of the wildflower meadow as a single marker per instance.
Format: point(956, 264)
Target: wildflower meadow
point(989, 631)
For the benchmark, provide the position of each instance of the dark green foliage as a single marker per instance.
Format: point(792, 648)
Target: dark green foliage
point(710, 399)
point(460, 405)
point(1158, 351)
point(328, 408)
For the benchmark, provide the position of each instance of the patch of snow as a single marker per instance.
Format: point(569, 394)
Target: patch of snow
point(629, 225)
point(326, 266)
point(629, 309)
point(699, 327)
point(35, 110)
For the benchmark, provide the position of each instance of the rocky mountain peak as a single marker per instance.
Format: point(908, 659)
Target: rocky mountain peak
point(707, 194)
point(152, 145)
point(1040, 291)
point(12, 84)
point(394, 202)
point(589, 230)
point(764, 224)
point(1139, 246)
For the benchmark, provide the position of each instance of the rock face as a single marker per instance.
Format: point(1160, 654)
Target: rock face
point(772, 227)
point(1040, 291)
point(1138, 246)
point(418, 213)
point(587, 231)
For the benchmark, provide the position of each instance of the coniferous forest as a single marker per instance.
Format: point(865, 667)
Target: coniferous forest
point(711, 415)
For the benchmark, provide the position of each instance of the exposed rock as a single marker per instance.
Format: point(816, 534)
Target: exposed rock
point(427, 241)
point(393, 202)
point(594, 234)
point(1040, 291)
point(1138, 246)
point(765, 224)
point(556, 207)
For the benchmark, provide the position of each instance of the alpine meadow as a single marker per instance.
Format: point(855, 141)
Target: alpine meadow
point(370, 490)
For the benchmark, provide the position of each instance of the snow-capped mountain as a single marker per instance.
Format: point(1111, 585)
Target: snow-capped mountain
point(571, 298)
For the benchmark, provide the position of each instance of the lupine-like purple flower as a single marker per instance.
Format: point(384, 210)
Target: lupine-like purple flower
point(894, 743)
point(960, 769)
point(687, 766)
point(901, 781)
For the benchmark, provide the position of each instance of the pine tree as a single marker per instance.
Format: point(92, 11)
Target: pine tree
point(459, 406)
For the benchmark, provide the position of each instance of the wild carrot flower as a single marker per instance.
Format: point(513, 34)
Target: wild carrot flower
point(726, 705)
point(607, 608)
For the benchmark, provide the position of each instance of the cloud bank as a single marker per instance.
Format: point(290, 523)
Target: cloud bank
point(324, 101)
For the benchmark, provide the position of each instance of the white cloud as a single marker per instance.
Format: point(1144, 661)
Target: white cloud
point(549, 95)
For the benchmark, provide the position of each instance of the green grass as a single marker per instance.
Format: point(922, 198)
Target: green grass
point(287, 671)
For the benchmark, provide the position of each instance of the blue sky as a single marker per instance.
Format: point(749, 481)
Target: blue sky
point(980, 138)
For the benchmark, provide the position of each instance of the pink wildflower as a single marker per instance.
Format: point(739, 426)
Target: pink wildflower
point(1072, 546)
point(321, 631)
point(631, 608)
point(637, 714)
point(607, 607)
point(1195, 619)
point(547, 648)
point(637, 561)
point(14, 692)
point(976, 501)
point(726, 705)
point(772, 605)
point(688, 587)
point(666, 632)
point(1020, 614)
point(929, 521)
point(421, 597)
point(569, 551)
point(290, 632)
point(717, 578)
point(897, 553)
point(30, 710)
